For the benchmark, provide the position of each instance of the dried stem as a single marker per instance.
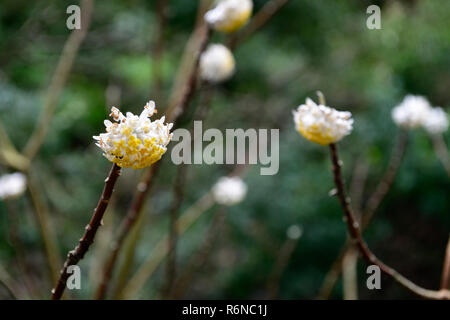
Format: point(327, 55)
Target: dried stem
point(441, 151)
point(282, 261)
point(178, 191)
point(161, 10)
point(369, 211)
point(269, 9)
point(350, 274)
point(59, 80)
point(200, 258)
point(146, 182)
point(160, 250)
point(354, 231)
point(125, 227)
point(177, 105)
point(46, 227)
point(85, 242)
point(185, 221)
point(445, 284)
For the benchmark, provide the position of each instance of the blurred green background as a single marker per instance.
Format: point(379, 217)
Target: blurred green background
point(308, 45)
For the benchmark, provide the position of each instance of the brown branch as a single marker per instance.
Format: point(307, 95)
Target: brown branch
point(146, 182)
point(59, 80)
point(441, 151)
point(282, 261)
point(176, 108)
point(445, 284)
point(46, 227)
point(178, 191)
point(85, 242)
point(386, 182)
point(369, 211)
point(269, 9)
point(201, 257)
point(354, 231)
point(125, 227)
point(161, 10)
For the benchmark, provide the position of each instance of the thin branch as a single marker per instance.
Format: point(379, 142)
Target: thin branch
point(281, 263)
point(46, 226)
point(161, 10)
point(147, 180)
point(85, 242)
point(178, 191)
point(354, 230)
point(445, 284)
point(59, 80)
point(186, 220)
point(127, 224)
point(182, 93)
point(441, 151)
point(350, 274)
point(201, 257)
point(263, 16)
point(160, 250)
point(386, 182)
point(373, 203)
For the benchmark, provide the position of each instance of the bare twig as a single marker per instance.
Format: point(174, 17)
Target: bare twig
point(354, 231)
point(445, 284)
point(178, 191)
point(78, 253)
point(282, 261)
point(441, 151)
point(182, 93)
point(269, 9)
point(186, 220)
point(160, 249)
point(369, 211)
point(59, 80)
point(200, 258)
point(46, 227)
point(125, 227)
point(146, 182)
point(350, 274)
point(161, 10)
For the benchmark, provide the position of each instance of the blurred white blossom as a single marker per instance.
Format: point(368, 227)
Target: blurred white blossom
point(12, 185)
point(322, 124)
point(229, 15)
point(216, 63)
point(294, 232)
point(412, 112)
point(437, 121)
point(229, 190)
point(134, 141)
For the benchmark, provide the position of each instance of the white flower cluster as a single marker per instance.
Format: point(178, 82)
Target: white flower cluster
point(229, 191)
point(412, 112)
point(322, 124)
point(217, 64)
point(229, 15)
point(134, 141)
point(416, 111)
point(12, 185)
point(436, 121)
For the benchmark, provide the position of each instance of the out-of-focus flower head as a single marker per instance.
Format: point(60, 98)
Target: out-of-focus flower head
point(134, 141)
point(229, 15)
point(322, 124)
point(229, 191)
point(412, 112)
point(294, 232)
point(216, 64)
point(437, 121)
point(12, 185)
